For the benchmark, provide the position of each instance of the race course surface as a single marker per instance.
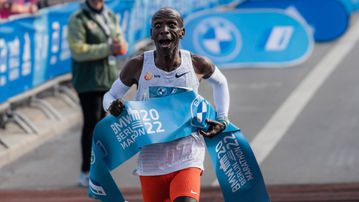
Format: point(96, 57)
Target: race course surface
point(278, 193)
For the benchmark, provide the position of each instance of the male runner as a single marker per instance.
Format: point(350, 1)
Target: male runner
point(171, 171)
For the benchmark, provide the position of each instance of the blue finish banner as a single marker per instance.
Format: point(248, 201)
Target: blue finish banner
point(116, 139)
point(242, 38)
point(329, 19)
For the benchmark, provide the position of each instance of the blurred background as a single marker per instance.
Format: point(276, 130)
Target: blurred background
point(290, 65)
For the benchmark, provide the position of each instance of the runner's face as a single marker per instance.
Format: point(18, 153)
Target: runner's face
point(167, 30)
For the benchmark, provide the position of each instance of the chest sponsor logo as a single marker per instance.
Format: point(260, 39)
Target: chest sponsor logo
point(148, 76)
point(180, 75)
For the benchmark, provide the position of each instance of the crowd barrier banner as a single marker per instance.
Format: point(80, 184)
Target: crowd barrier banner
point(18, 54)
point(58, 61)
point(117, 139)
point(3, 64)
point(329, 19)
point(34, 49)
point(242, 38)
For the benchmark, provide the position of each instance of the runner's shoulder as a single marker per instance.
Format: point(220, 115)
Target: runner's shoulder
point(202, 65)
point(132, 69)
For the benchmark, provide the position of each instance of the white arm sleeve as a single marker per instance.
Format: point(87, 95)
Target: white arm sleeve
point(118, 90)
point(220, 93)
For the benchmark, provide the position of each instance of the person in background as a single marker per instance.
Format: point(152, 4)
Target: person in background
point(95, 39)
point(15, 7)
point(171, 171)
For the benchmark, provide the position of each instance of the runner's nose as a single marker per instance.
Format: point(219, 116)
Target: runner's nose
point(164, 30)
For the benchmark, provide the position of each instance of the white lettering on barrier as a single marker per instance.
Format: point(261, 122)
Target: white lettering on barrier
point(3, 62)
point(14, 62)
point(65, 50)
point(55, 41)
point(26, 56)
point(279, 38)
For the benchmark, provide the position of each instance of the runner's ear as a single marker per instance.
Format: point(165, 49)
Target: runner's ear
point(182, 33)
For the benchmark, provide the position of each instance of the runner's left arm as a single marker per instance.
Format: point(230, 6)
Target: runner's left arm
point(215, 77)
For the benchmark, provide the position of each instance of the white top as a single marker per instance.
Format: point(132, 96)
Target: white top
point(164, 158)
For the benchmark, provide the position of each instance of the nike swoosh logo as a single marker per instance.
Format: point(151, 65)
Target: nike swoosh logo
point(193, 192)
point(179, 75)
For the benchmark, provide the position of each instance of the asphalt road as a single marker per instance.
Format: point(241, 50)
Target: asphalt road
point(308, 119)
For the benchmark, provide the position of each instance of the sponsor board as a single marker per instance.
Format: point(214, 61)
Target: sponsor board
point(242, 38)
point(329, 19)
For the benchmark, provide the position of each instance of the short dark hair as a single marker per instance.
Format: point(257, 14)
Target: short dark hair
point(168, 11)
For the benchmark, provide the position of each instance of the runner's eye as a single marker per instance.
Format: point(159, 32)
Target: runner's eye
point(172, 25)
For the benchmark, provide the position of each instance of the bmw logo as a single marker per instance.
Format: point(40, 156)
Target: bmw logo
point(161, 91)
point(217, 38)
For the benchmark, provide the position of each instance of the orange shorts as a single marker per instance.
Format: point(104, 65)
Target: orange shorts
point(166, 188)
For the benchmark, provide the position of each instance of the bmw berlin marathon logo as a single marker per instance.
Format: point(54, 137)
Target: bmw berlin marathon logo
point(217, 38)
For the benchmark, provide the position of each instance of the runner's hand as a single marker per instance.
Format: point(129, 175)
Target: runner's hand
point(215, 127)
point(116, 107)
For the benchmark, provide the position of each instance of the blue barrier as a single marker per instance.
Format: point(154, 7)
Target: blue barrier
point(58, 59)
point(3, 66)
point(242, 38)
point(328, 18)
point(19, 53)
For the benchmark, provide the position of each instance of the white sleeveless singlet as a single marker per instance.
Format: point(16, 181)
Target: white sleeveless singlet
point(164, 158)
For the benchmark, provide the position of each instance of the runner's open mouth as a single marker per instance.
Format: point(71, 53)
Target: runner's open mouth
point(165, 42)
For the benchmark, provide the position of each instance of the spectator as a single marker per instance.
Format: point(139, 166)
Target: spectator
point(15, 7)
point(95, 40)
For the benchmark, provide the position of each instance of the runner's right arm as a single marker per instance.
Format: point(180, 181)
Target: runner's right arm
point(112, 100)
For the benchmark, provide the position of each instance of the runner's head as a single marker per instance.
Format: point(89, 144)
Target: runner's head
point(167, 29)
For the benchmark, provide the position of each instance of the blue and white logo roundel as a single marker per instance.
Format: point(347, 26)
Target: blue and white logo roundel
point(161, 92)
point(217, 37)
point(200, 112)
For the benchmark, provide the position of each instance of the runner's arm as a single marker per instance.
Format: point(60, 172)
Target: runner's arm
point(208, 71)
point(220, 94)
point(112, 101)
